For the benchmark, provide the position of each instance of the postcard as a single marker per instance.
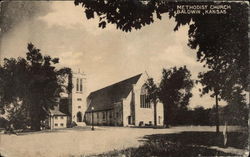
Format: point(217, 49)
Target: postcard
point(124, 78)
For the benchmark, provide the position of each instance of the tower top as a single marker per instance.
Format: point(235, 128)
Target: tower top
point(78, 72)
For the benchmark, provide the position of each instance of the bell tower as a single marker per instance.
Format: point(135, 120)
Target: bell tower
point(77, 98)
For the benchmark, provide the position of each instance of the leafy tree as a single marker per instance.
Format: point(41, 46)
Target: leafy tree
point(175, 92)
point(212, 81)
point(17, 115)
point(236, 112)
point(153, 95)
point(224, 51)
point(223, 83)
point(35, 82)
point(126, 14)
point(201, 116)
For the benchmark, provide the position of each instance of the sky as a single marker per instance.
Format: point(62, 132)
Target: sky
point(105, 55)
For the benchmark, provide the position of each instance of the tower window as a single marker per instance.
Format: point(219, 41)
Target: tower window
point(80, 85)
point(79, 99)
point(77, 84)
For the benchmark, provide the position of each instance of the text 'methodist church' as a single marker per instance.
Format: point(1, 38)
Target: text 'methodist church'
point(123, 103)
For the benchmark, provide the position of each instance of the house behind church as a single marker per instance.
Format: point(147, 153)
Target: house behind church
point(124, 103)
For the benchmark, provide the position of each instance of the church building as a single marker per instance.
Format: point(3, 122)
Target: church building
point(124, 103)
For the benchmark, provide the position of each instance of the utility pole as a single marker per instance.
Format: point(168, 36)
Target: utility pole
point(217, 113)
point(92, 109)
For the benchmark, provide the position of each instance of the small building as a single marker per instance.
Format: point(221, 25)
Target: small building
point(124, 103)
point(57, 119)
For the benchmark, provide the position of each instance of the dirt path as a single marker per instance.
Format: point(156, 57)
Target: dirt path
point(79, 141)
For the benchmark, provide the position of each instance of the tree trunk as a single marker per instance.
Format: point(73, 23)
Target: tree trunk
point(35, 123)
point(217, 114)
point(165, 115)
point(35, 119)
point(155, 114)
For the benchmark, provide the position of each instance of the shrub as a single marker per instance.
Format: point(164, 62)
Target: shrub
point(3, 122)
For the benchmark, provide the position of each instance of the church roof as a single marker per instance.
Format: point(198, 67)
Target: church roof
point(104, 99)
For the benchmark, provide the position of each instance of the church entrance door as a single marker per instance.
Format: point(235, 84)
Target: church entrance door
point(79, 116)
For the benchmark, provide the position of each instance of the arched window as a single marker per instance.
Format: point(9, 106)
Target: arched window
point(144, 101)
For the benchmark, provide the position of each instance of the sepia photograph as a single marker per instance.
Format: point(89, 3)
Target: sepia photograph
point(124, 78)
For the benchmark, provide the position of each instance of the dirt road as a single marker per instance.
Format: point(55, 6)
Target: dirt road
point(80, 141)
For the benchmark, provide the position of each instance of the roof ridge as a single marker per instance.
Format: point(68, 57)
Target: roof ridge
point(105, 98)
point(115, 83)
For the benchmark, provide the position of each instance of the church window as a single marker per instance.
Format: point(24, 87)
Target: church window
point(79, 106)
point(77, 84)
point(61, 124)
point(56, 124)
point(79, 99)
point(80, 85)
point(144, 99)
point(61, 117)
point(55, 117)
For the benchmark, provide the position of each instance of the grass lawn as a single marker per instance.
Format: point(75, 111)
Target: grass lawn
point(185, 144)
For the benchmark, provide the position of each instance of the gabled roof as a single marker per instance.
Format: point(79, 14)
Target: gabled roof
point(104, 99)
